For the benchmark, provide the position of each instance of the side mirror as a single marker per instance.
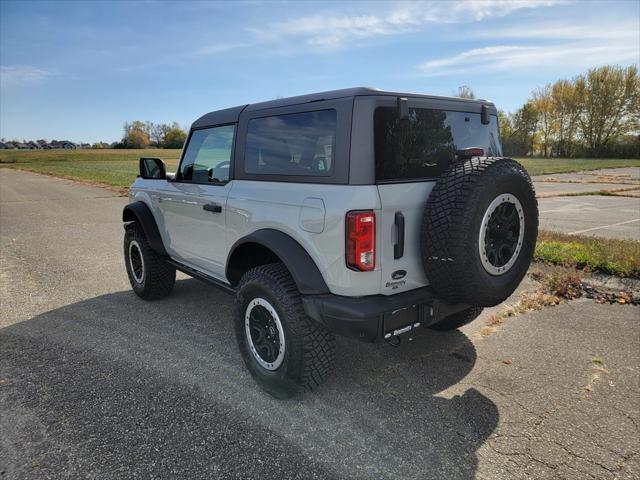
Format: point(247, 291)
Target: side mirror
point(152, 169)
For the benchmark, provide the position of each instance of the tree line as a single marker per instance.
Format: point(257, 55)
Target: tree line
point(139, 134)
point(595, 114)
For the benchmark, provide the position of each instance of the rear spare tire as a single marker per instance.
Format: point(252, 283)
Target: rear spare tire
point(479, 231)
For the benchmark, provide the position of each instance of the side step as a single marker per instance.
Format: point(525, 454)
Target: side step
point(203, 276)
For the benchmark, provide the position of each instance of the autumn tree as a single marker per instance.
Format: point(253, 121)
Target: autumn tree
point(174, 137)
point(566, 113)
point(522, 128)
point(542, 103)
point(594, 114)
point(610, 104)
point(136, 135)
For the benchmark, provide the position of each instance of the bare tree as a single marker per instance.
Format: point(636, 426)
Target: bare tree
point(157, 133)
point(465, 91)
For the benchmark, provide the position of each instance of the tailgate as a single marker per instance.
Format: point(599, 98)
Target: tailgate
point(401, 202)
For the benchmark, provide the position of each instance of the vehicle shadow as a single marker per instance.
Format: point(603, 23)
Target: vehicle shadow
point(159, 388)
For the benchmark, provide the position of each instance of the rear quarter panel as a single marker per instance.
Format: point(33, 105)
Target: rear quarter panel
point(253, 205)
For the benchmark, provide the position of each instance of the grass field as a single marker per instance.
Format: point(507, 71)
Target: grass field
point(114, 168)
point(605, 255)
point(118, 168)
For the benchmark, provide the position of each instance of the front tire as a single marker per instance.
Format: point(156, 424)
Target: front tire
point(151, 277)
point(286, 352)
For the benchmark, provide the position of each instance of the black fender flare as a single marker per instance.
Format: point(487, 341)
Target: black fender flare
point(301, 266)
point(140, 212)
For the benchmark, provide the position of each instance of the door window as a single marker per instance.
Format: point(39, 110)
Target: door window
point(208, 155)
point(293, 144)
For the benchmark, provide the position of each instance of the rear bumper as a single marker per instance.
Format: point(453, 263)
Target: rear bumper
point(375, 317)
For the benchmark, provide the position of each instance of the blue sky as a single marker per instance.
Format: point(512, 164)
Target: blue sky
point(78, 70)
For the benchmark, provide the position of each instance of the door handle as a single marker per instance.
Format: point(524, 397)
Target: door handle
point(212, 207)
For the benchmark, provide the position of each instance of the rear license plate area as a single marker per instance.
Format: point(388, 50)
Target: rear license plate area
point(400, 321)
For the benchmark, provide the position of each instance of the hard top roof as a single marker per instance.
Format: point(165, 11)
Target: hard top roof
point(230, 115)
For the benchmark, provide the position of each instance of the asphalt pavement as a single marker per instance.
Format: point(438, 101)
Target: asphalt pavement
point(94, 382)
point(606, 216)
point(564, 207)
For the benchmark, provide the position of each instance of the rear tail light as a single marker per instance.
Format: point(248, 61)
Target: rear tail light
point(361, 240)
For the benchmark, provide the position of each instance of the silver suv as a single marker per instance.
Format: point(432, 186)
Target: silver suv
point(356, 212)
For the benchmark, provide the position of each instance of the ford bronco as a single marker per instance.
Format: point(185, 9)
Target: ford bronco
point(355, 212)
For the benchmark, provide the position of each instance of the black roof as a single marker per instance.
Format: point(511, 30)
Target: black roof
point(230, 115)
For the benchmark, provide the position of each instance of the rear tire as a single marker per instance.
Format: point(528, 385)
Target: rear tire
point(479, 231)
point(151, 277)
point(457, 320)
point(286, 352)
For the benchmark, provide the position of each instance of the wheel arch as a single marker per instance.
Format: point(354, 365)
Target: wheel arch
point(268, 246)
point(141, 213)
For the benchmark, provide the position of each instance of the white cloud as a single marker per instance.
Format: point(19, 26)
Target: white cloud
point(22, 75)
point(331, 31)
point(218, 48)
point(551, 31)
point(501, 58)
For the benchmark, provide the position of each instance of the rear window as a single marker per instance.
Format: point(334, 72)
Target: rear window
point(426, 144)
point(294, 144)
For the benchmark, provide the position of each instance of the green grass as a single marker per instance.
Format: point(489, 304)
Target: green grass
point(606, 255)
point(114, 168)
point(542, 166)
point(118, 168)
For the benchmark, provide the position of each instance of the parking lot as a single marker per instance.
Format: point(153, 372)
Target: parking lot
point(615, 216)
point(96, 383)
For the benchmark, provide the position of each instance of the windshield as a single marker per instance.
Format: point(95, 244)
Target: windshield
point(424, 145)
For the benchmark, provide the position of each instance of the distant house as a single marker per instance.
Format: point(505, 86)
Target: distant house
point(3, 146)
point(21, 146)
point(66, 144)
point(31, 145)
point(10, 145)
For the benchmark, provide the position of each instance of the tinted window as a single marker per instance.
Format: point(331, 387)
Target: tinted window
point(293, 144)
point(424, 145)
point(208, 149)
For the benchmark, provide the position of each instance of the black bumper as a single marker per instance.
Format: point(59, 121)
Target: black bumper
point(375, 317)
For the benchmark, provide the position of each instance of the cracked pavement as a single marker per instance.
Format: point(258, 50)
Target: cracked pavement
point(96, 383)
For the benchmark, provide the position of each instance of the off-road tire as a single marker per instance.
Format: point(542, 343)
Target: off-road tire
point(309, 347)
point(451, 228)
point(158, 276)
point(457, 320)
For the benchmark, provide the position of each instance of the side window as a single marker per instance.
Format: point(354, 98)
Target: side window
point(208, 155)
point(293, 144)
